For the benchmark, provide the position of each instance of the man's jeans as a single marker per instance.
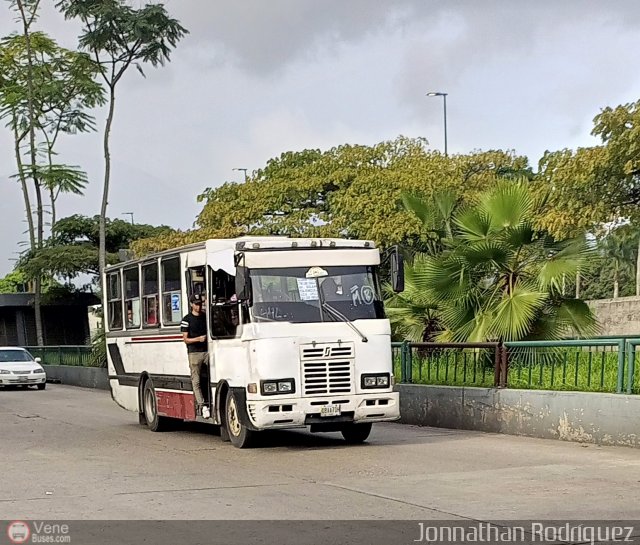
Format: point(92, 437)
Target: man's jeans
point(196, 361)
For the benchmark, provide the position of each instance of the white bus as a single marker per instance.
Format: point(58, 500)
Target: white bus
point(297, 336)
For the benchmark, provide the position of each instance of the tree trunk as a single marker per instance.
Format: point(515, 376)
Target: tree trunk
point(638, 270)
point(616, 286)
point(53, 209)
point(26, 23)
point(105, 188)
point(578, 279)
point(52, 194)
point(25, 189)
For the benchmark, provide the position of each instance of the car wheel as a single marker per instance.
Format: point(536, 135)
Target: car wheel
point(239, 435)
point(356, 433)
point(42, 386)
point(150, 408)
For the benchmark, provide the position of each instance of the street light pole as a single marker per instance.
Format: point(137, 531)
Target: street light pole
point(246, 178)
point(444, 96)
point(129, 214)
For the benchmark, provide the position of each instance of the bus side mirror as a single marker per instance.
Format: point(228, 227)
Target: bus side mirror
point(397, 270)
point(243, 285)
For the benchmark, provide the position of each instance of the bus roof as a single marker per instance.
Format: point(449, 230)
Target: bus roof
point(253, 243)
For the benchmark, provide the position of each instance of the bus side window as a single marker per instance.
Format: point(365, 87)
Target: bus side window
point(114, 301)
point(132, 297)
point(150, 295)
point(171, 291)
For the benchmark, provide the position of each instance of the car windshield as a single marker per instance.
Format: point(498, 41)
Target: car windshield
point(294, 294)
point(14, 355)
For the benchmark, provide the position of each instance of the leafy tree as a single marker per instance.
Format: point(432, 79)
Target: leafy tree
point(574, 185)
point(73, 249)
point(28, 10)
point(619, 129)
point(596, 186)
point(44, 91)
point(500, 278)
point(349, 191)
point(14, 282)
point(612, 271)
point(618, 248)
point(64, 90)
point(598, 281)
point(119, 36)
point(17, 281)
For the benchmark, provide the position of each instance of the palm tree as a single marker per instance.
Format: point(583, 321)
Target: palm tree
point(498, 277)
point(413, 313)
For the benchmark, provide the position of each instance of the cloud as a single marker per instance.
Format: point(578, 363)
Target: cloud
point(256, 78)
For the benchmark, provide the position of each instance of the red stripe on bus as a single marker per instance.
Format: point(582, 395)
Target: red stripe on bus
point(157, 339)
point(176, 405)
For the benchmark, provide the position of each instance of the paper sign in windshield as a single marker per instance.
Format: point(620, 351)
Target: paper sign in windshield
point(308, 289)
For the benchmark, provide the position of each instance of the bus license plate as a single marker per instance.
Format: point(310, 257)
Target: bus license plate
point(330, 410)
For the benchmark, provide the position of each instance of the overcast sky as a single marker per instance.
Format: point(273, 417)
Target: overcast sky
point(256, 78)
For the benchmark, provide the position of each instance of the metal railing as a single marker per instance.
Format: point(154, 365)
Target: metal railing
point(592, 365)
point(80, 355)
point(453, 364)
point(588, 365)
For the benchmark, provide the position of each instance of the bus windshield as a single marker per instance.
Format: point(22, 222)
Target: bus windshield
point(309, 294)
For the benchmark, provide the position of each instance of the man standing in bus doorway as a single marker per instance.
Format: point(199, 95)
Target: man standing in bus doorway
point(194, 334)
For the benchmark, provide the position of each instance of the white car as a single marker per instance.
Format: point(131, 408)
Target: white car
point(19, 368)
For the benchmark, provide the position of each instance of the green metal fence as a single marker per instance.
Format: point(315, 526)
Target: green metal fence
point(592, 365)
point(454, 364)
point(63, 355)
point(595, 365)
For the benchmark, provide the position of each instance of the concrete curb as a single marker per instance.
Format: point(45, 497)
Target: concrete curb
point(585, 417)
point(86, 377)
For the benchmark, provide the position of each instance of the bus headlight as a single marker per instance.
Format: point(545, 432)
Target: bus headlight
point(275, 387)
point(376, 380)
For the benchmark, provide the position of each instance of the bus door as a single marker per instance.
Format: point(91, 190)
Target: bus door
point(224, 328)
point(197, 284)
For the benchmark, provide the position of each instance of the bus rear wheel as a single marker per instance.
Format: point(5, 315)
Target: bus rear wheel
point(239, 435)
point(356, 433)
point(150, 408)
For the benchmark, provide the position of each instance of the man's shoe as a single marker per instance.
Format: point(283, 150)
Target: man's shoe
point(205, 412)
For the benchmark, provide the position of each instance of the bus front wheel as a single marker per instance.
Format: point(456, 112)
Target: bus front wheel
point(356, 433)
point(150, 408)
point(239, 435)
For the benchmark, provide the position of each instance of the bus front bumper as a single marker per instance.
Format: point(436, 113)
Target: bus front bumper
point(297, 412)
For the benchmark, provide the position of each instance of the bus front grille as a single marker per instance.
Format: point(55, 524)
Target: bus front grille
point(327, 377)
point(327, 368)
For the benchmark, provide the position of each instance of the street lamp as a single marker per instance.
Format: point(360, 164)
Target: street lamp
point(444, 96)
point(129, 214)
point(243, 170)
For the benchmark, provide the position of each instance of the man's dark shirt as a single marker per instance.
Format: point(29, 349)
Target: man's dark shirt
point(195, 326)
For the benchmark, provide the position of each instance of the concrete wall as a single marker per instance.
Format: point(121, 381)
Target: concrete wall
point(618, 316)
point(608, 419)
point(87, 377)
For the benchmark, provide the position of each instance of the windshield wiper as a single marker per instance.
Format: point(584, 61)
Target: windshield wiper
point(336, 313)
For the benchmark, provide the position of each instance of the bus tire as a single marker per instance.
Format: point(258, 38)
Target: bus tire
point(354, 434)
point(224, 434)
point(239, 435)
point(150, 408)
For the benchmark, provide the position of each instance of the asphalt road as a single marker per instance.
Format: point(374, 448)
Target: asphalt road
point(71, 453)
